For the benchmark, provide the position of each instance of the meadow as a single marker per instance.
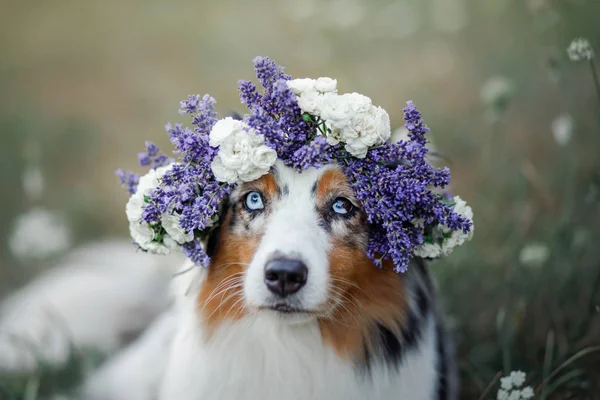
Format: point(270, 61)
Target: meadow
point(82, 85)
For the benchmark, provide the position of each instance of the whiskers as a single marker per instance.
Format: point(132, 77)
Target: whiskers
point(343, 308)
point(226, 291)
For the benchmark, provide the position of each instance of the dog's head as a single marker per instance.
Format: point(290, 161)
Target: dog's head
point(294, 245)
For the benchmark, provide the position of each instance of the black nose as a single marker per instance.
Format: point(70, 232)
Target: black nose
point(285, 276)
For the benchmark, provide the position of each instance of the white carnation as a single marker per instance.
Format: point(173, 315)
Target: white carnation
point(171, 223)
point(134, 207)
point(456, 238)
point(222, 173)
point(140, 231)
point(223, 129)
point(358, 103)
point(366, 129)
point(335, 110)
point(243, 156)
point(301, 85)
point(428, 250)
point(263, 157)
point(325, 85)
point(310, 102)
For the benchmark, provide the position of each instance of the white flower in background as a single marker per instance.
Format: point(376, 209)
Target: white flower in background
point(141, 232)
point(580, 49)
point(510, 387)
point(562, 129)
point(242, 153)
point(534, 255)
point(450, 239)
point(38, 234)
point(449, 16)
point(497, 91)
point(33, 182)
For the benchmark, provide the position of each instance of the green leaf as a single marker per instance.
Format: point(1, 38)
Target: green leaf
point(306, 117)
point(146, 199)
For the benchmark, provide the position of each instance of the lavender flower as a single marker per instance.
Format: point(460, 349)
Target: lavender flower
point(128, 180)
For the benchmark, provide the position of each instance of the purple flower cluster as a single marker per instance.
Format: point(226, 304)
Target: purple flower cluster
point(394, 182)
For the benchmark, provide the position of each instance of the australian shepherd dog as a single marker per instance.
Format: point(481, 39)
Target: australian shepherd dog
point(291, 307)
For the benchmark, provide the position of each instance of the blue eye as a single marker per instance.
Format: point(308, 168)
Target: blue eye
point(254, 201)
point(342, 206)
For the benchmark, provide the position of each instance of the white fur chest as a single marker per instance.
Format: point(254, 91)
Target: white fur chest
point(262, 358)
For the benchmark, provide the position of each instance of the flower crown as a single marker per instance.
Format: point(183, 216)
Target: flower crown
point(304, 123)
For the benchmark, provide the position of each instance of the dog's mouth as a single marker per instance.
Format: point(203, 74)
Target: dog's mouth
point(286, 309)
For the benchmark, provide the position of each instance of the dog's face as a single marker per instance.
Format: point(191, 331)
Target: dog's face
point(294, 245)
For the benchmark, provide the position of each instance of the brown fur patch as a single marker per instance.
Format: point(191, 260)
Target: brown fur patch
point(369, 295)
point(266, 184)
point(221, 293)
point(332, 181)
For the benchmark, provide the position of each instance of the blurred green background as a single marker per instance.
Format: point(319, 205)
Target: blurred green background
point(83, 84)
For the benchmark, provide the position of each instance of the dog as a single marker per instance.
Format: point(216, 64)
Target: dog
point(291, 307)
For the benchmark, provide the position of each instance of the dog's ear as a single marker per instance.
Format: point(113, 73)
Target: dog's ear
point(214, 235)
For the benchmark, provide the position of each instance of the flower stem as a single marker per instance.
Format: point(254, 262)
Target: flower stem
point(595, 76)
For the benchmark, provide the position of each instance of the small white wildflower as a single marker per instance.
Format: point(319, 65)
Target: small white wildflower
point(301, 85)
point(580, 49)
point(39, 233)
point(242, 156)
point(534, 255)
point(518, 378)
point(510, 387)
point(506, 383)
point(33, 182)
point(527, 393)
point(515, 395)
point(325, 85)
point(562, 129)
point(502, 395)
point(497, 91)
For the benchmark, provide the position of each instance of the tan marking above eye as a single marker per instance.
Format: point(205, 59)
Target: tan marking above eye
point(266, 185)
point(333, 183)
